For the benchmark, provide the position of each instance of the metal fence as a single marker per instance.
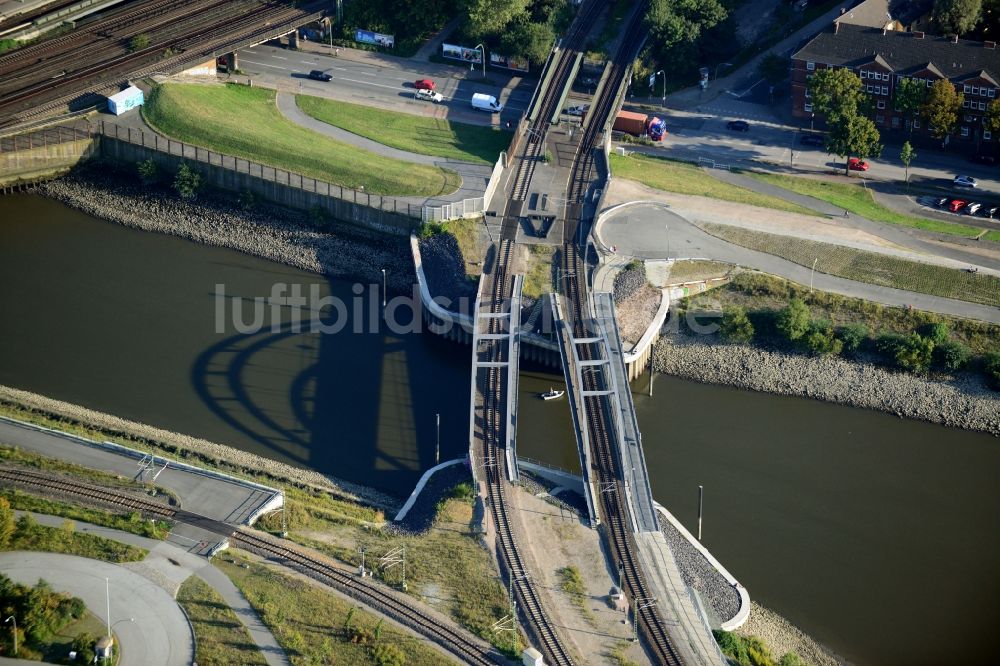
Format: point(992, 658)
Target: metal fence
point(46, 137)
point(153, 140)
point(452, 211)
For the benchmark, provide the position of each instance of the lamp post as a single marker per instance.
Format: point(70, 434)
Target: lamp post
point(107, 595)
point(383, 287)
point(812, 273)
point(14, 620)
point(721, 64)
point(481, 49)
point(663, 98)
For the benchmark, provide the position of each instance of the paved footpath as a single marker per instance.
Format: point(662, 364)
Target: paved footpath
point(165, 568)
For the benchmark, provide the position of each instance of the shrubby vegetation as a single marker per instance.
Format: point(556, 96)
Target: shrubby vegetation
point(41, 613)
point(751, 651)
point(27, 534)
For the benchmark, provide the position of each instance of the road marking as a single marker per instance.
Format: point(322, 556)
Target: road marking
point(277, 57)
point(264, 64)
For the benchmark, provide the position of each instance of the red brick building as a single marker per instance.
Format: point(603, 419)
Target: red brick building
point(883, 57)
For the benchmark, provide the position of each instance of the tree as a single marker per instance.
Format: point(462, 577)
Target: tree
point(736, 326)
point(528, 39)
point(938, 332)
point(854, 136)
point(941, 108)
point(837, 93)
point(83, 645)
point(852, 335)
point(793, 319)
point(914, 352)
point(957, 17)
point(908, 97)
point(187, 182)
point(951, 356)
point(906, 155)
point(6, 523)
point(491, 17)
point(991, 365)
point(773, 68)
point(675, 26)
point(992, 119)
point(819, 339)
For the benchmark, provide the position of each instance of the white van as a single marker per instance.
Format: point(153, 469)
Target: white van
point(485, 102)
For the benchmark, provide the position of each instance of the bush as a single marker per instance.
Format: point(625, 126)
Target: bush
point(389, 655)
point(147, 171)
point(247, 200)
point(793, 319)
point(852, 336)
point(187, 182)
point(138, 42)
point(914, 353)
point(736, 326)
point(937, 333)
point(887, 344)
point(791, 659)
point(83, 644)
point(951, 356)
point(745, 651)
point(820, 339)
point(991, 365)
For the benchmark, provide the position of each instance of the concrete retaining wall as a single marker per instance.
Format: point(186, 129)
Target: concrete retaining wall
point(46, 160)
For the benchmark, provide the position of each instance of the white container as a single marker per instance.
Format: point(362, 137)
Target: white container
point(127, 99)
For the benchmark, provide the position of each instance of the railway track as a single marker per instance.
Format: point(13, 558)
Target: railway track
point(613, 505)
point(377, 596)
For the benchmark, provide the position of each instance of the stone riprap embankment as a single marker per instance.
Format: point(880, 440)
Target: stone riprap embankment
point(273, 233)
point(233, 458)
point(964, 402)
point(699, 574)
point(444, 268)
point(628, 282)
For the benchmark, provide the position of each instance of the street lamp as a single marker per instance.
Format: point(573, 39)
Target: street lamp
point(482, 49)
point(14, 620)
point(721, 64)
point(663, 99)
point(383, 287)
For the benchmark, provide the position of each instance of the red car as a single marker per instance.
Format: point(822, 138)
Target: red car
point(956, 205)
point(854, 164)
point(424, 84)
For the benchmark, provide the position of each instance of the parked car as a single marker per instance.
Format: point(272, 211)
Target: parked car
point(988, 211)
point(989, 160)
point(319, 75)
point(430, 95)
point(956, 205)
point(972, 207)
point(579, 110)
point(942, 202)
point(738, 126)
point(855, 164)
point(424, 84)
point(812, 140)
point(965, 181)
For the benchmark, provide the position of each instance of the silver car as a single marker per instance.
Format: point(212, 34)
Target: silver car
point(965, 181)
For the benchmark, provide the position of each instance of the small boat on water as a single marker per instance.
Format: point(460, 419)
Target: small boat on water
point(551, 394)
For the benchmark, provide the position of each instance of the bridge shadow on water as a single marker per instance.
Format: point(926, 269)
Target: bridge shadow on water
point(358, 403)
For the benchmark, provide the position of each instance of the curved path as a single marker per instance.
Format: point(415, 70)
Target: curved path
point(160, 634)
point(474, 176)
point(650, 230)
point(166, 567)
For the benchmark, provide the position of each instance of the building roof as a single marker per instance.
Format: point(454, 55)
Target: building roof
point(894, 14)
point(848, 45)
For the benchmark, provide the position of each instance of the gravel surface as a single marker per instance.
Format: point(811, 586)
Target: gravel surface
point(270, 232)
point(699, 573)
point(782, 637)
point(965, 402)
point(628, 282)
point(636, 312)
point(445, 272)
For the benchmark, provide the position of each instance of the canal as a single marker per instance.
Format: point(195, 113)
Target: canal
point(876, 535)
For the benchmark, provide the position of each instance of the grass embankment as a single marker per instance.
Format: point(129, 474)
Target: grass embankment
point(689, 270)
point(315, 626)
point(469, 235)
point(221, 637)
point(414, 134)
point(538, 279)
point(993, 236)
point(684, 178)
point(870, 267)
point(859, 200)
point(131, 522)
point(29, 535)
point(756, 292)
point(445, 565)
point(243, 121)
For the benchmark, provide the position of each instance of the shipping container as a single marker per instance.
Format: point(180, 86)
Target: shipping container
point(127, 99)
point(630, 123)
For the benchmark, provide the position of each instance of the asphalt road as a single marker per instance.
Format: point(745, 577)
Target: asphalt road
point(380, 82)
point(158, 636)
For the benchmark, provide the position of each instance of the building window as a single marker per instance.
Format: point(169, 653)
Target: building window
point(965, 132)
point(987, 135)
point(928, 83)
point(885, 90)
point(869, 89)
point(810, 66)
point(899, 79)
point(886, 76)
point(993, 92)
point(916, 124)
point(965, 104)
point(880, 120)
point(895, 122)
point(969, 119)
point(982, 106)
point(881, 104)
point(808, 107)
point(808, 94)
point(967, 90)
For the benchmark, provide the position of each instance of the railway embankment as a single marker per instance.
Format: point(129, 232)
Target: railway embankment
point(309, 242)
point(962, 402)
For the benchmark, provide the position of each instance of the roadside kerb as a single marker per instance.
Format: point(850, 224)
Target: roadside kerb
point(277, 498)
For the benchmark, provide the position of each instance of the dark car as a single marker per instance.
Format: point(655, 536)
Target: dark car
point(942, 202)
point(812, 140)
point(987, 211)
point(989, 160)
point(738, 126)
point(319, 75)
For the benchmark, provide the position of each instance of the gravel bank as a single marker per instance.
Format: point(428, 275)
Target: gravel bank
point(231, 457)
point(699, 574)
point(782, 637)
point(628, 282)
point(966, 402)
point(277, 234)
point(444, 268)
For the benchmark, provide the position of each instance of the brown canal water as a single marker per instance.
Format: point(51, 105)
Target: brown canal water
point(878, 536)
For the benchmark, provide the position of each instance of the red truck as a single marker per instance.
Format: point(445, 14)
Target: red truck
point(640, 124)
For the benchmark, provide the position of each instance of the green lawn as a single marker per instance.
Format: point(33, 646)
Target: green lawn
point(415, 134)
point(870, 267)
point(685, 178)
point(221, 637)
point(859, 200)
point(315, 626)
point(243, 121)
point(131, 522)
point(992, 236)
